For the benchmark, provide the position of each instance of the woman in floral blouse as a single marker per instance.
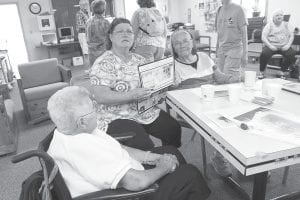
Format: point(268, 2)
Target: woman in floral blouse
point(117, 88)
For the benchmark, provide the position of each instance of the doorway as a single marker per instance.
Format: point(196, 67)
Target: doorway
point(11, 35)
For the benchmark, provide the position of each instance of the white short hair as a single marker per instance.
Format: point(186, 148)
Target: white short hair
point(62, 106)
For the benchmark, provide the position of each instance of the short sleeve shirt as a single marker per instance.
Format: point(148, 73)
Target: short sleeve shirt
point(90, 162)
point(109, 70)
point(187, 71)
point(280, 35)
point(97, 28)
point(230, 22)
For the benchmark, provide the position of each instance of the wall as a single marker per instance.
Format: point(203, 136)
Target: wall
point(30, 28)
point(32, 35)
point(290, 7)
point(178, 12)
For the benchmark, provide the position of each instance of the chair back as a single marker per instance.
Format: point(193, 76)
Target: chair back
point(255, 25)
point(286, 18)
point(41, 72)
point(60, 190)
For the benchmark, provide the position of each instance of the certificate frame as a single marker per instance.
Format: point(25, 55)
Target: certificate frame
point(156, 98)
point(157, 75)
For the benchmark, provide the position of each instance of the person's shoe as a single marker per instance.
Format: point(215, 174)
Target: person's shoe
point(221, 166)
point(261, 75)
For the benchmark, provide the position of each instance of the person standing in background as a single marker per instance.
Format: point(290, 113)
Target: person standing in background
point(82, 17)
point(97, 28)
point(150, 31)
point(232, 55)
point(232, 50)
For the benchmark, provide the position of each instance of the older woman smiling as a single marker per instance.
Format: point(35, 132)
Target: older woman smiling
point(194, 69)
point(117, 89)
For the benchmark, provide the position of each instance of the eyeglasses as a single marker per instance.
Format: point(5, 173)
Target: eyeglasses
point(87, 114)
point(122, 32)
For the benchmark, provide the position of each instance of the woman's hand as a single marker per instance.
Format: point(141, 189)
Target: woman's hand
point(140, 93)
point(167, 161)
point(273, 48)
point(285, 47)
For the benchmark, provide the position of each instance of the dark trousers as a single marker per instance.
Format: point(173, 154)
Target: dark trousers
point(185, 183)
point(166, 128)
point(288, 58)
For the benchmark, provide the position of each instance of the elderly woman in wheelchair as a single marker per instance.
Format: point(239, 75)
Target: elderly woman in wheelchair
point(91, 160)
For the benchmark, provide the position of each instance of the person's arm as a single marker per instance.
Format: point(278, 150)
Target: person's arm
point(242, 25)
point(88, 32)
point(222, 78)
point(146, 157)
point(104, 95)
point(136, 180)
point(245, 46)
point(264, 37)
point(291, 39)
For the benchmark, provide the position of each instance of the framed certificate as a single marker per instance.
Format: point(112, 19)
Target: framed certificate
point(157, 75)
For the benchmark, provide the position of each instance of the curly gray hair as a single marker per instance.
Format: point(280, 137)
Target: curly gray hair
point(62, 106)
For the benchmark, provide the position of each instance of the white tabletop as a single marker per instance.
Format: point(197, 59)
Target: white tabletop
point(249, 153)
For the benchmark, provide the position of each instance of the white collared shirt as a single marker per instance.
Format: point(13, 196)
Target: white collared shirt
point(90, 162)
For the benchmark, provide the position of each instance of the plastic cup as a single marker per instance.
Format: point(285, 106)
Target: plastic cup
point(208, 92)
point(250, 78)
point(234, 92)
point(264, 89)
point(273, 90)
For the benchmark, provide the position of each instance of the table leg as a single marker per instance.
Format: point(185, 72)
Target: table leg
point(260, 185)
point(204, 163)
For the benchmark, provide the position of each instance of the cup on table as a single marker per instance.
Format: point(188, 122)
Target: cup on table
point(264, 89)
point(208, 92)
point(273, 90)
point(250, 78)
point(234, 92)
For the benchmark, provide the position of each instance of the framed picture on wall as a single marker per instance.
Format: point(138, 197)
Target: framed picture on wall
point(46, 22)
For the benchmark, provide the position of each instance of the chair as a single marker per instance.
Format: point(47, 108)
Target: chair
point(254, 29)
point(201, 46)
point(59, 189)
point(38, 81)
point(8, 122)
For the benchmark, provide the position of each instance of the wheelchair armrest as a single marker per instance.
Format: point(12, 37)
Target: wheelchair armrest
point(124, 136)
point(29, 154)
point(120, 193)
point(65, 72)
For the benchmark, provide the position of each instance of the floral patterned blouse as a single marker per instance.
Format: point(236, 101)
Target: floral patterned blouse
point(109, 70)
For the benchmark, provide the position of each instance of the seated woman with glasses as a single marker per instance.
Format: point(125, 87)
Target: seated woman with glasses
point(91, 160)
point(192, 68)
point(117, 88)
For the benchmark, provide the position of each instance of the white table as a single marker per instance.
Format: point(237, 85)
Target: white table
point(242, 150)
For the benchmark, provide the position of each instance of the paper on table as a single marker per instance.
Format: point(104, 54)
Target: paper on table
point(279, 126)
point(266, 122)
point(220, 120)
